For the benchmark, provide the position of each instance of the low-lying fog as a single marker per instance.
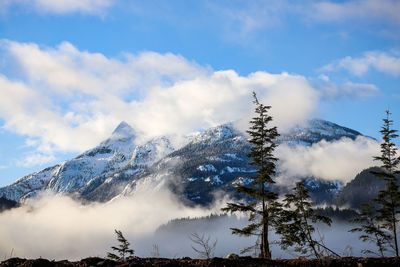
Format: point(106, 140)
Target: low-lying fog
point(57, 227)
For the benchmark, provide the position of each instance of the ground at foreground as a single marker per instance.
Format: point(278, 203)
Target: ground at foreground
point(242, 261)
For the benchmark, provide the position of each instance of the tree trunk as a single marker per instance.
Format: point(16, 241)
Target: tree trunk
point(266, 253)
point(311, 241)
point(395, 233)
point(389, 186)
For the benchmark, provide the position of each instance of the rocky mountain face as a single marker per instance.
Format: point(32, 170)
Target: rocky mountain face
point(207, 163)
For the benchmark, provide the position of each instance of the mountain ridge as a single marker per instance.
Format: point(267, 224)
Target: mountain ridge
point(215, 159)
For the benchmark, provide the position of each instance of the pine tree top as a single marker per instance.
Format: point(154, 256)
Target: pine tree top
point(388, 156)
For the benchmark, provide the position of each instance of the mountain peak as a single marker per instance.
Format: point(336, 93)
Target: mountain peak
point(332, 127)
point(123, 130)
point(211, 159)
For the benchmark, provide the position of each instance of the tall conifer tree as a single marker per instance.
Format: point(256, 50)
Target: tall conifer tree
point(388, 200)
point(262, 205)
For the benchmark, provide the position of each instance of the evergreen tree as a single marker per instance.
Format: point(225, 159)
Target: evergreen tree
point(296, 223)
point(372, 230)
point(123, 248)
point(388, 200)
point(262, 206)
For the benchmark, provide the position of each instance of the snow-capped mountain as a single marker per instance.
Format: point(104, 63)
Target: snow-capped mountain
point(78, 174)
point(28, 183)
point(315, 131)
point(112, 154)
point(211, 161)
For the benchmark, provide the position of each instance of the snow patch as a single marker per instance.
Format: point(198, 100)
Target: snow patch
point(229, 169)
point(214, 180)
point(243, 181)
point(207, 168)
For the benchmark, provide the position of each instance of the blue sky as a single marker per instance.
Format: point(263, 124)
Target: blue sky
point(70, 71)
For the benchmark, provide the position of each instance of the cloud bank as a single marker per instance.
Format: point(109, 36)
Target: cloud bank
point(64, 99)
point(68, 229)
point(340, 160)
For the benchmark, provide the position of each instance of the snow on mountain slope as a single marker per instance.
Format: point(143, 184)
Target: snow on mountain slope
point(315, 131)
point(105, 187)
point(179, 168)
point(111, 155)
point(212, 160)
point(119, 152)
point(216, 160)
point(28, 183)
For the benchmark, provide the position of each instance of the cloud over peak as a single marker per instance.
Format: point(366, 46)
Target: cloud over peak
point(64, 99)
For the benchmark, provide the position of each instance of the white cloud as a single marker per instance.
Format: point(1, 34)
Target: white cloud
point(35, 159)
point(79, 231)
point(64, 99)
point(385, 62)
point(243, 20)
point(225, 96)
point(333, 161)
point(62, 6)
point(351, 10)
point(69, 230)
point(324, 77)
point(361, 90)
point(330, 90)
